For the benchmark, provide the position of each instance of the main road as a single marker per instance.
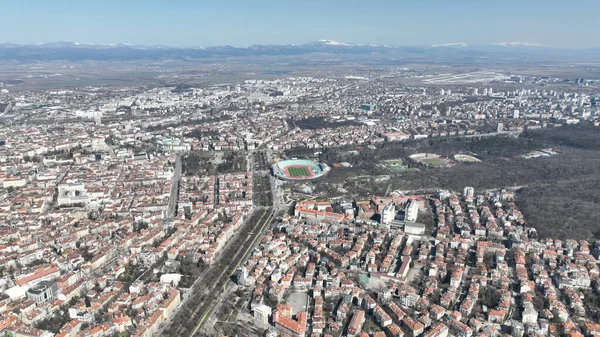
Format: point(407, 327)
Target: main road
point(174, 188)
point(206, 293)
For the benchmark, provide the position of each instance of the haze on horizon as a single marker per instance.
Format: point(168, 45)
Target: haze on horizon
point(550, 23)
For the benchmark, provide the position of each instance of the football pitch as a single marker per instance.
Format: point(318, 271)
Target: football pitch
point(298, 172)
point(397, 166)
point(433, 162)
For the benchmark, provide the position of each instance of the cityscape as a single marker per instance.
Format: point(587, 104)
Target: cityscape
point(321, 189)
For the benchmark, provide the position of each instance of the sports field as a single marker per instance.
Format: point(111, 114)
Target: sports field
point(466, 158)
point(433, 162)
point(298, 172)
point(397, 165)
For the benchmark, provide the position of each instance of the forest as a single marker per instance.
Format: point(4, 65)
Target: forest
point(203, 163)
point(559, 195)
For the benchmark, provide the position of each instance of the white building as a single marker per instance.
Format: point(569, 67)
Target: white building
point(388, 214)
point(45, 291)
point(411, 212)
point(469, 191)
point(529, 315)
point(71, 194)
point(170, 279)
point(414, 228)
point(262, 313)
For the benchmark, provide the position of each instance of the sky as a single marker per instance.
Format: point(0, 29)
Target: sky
point(562, 24)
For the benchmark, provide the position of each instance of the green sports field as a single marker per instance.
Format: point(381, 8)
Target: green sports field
point(397, 166)
point(433, 162)
point(298, 172)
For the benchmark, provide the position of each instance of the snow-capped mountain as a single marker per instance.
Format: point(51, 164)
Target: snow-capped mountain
point(77, 51)
point(67, 44)
point(330, 43)
point(516, 44)
point(455, 44)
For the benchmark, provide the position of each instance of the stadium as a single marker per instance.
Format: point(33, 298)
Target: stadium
point(466, 158)
point(299, 169)
point(431, 160)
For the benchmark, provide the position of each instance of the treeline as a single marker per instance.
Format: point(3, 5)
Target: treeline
point(484, 148)
point(560, 195)
point(203, 163)
point(201, 134)
point(563, 209)
point(504, 172)
point(198, 163)
point(313, 123)
point(233, 161)
point(584, 136)
point(187, 122)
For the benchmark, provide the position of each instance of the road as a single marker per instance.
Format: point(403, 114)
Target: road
point(221, 284)
point(206, 292)
point(491, 134)
point(6, 110)
point(185, 299)
point(173, 198)
point(262, 192)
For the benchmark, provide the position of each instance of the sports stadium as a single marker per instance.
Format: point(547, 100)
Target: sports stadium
point(299, 169)
point(431, 160)
point(466, 158)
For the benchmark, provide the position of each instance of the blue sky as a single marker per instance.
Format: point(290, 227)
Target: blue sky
point(567, 24)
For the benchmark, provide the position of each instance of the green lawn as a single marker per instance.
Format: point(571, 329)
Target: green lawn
point(298, 172)
point(397, 166)
point(433, 162)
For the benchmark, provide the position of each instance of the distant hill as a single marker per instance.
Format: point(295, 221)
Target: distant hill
point(75, 51)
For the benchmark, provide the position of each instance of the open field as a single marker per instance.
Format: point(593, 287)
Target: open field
point(431, 160)
point(434, 162)
point(466, 158)
point(472, 77)
point(397, 165)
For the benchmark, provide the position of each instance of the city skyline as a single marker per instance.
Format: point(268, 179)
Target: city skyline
point(315, 168)
point(242, 24)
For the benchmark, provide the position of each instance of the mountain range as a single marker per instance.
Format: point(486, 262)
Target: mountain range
point(76, 51)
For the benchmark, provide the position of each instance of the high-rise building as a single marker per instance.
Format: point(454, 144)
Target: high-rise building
point(241, 275)
point(412, 212)
point(262, 313)
point(475, 92)
point(500, 127)
point(388, 214)
point(469, 191)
